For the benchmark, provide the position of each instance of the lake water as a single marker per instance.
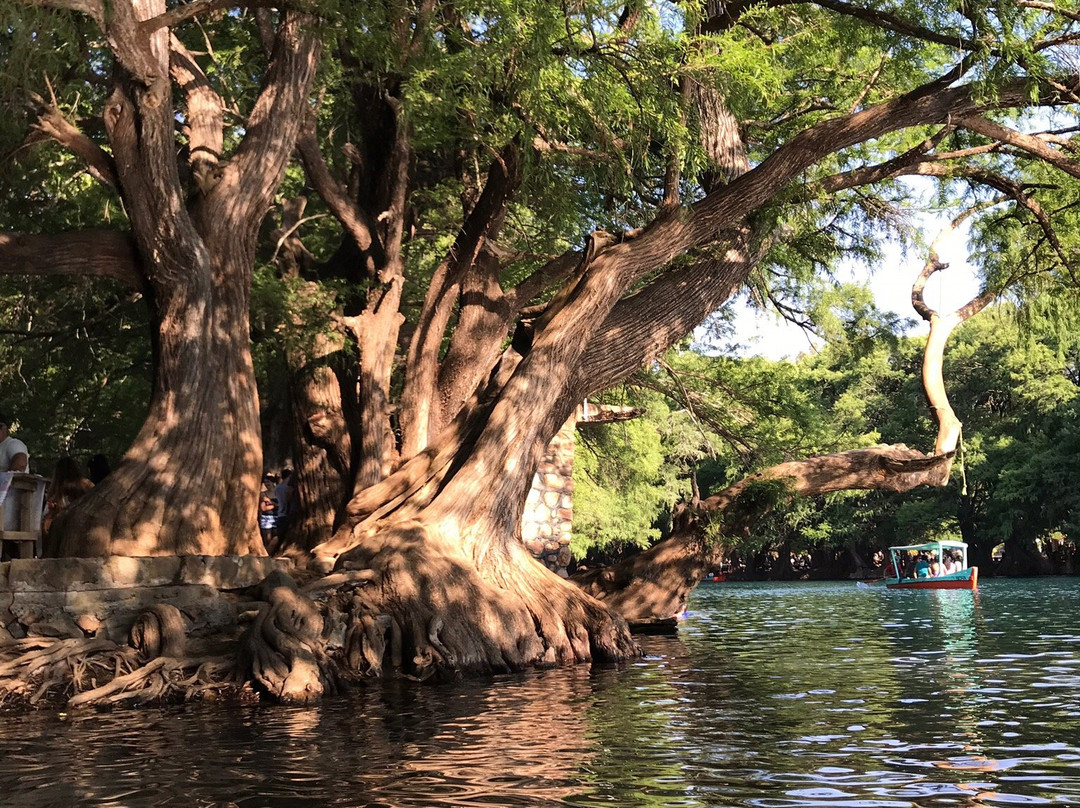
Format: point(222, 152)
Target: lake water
point(771, 695)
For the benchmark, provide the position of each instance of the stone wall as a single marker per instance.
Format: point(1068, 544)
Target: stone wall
point(103, 596)
point(549, 510)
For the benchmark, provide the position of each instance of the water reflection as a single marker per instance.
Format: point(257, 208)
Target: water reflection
point(779, 695)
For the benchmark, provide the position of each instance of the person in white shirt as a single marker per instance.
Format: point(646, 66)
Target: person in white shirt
point(14, 455)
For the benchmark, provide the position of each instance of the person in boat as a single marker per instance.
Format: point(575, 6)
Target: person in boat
point(909, 566)
point(922, 567)
point(952, 563)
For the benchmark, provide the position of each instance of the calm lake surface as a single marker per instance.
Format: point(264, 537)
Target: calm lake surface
point(771, 695)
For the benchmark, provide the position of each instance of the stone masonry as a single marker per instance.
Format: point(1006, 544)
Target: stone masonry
point(549, 509)
point(103, 596)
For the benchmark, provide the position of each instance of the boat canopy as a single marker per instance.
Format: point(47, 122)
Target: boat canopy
point(931, 545)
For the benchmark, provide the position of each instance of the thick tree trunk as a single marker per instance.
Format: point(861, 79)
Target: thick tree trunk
point(189, 482)
point(322, 455)
point(502, 611)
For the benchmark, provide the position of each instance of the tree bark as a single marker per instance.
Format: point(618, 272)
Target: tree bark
point(190, 481)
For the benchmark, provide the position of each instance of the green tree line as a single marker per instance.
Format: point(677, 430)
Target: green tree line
point(1012, 374)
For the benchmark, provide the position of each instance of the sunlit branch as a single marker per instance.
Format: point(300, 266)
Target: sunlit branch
point(1029, 143)
point(1052, 8)
point(51, 124)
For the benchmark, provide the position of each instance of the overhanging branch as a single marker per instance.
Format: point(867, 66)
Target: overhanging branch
point(85, 253)
point(52, 125)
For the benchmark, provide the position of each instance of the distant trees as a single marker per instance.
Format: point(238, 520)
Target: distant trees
point(1011, 374)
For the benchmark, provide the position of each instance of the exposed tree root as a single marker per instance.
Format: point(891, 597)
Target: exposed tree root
point(158, 631)
point(161, 679)
point(417, 609)
point(96, 671)
point(284, 646)
point(421, 597)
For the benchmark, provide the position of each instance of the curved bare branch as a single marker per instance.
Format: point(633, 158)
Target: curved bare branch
point(941, 327)
point(345, 210)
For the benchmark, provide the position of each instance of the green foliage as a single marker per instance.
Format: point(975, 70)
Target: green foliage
point(1011, 377)
point(74, 368)
point(620, 489)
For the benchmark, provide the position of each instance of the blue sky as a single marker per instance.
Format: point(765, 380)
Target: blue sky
point(768, 335)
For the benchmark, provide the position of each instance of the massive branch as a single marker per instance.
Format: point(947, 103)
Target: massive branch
point(482, 223)
point(273, 128)
point(85, 253)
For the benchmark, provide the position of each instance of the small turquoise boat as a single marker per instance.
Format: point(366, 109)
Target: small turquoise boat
point(923, 566)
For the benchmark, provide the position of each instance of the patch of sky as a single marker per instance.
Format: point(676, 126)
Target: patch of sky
point(747, 331)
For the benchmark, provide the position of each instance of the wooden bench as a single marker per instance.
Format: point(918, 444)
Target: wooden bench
point(22, 500)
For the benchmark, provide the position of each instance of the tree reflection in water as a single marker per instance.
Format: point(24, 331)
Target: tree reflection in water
point(770, 695)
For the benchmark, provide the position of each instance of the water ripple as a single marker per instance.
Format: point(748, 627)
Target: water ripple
point(771, 695)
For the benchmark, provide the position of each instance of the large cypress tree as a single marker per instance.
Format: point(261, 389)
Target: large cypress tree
point(531, 202)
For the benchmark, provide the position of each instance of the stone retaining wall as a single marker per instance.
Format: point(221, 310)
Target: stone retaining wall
point(549, 509)
point(103, 596)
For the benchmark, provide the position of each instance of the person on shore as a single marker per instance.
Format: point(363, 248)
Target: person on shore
point(281, 492)
point(268, 521)
point(14, 456)
point(68, 484)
